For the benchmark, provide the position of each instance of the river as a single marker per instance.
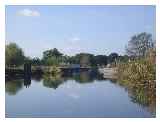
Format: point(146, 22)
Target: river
point(76, 95)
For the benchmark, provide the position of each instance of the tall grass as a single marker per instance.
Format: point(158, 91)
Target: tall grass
point(139, 77)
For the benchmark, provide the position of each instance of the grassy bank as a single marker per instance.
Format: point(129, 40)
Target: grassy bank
point(139, 77)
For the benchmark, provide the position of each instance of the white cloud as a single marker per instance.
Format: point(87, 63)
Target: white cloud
point(74, 41)
point(73, 46)
point(28, 12)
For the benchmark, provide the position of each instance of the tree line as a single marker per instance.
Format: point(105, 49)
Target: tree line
point(53, 57)
point(137, 47)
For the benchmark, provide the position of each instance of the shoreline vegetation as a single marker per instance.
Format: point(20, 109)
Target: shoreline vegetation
point(136, 71)
point(138, 75)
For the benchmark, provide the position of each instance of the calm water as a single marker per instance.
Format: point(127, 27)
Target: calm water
point(79, 95)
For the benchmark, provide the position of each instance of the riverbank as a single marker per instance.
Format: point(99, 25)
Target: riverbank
point(39, 70)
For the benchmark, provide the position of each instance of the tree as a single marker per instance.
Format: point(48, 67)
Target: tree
point(36, 61)
point(51, 61)
point(112, 57)
point(14, 55)
point(51, 53)
point(52, 57)
point(101, 60)
point(139, 45)
point(72, 60)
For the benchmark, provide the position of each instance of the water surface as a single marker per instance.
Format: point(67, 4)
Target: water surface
point(79, 95)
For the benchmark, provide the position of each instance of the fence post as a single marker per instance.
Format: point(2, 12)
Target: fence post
point(27, 69)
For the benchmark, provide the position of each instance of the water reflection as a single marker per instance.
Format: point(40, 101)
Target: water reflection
point(144, 96)
point(141, 95)
point(14, 85)
point(27, 81)
point(52, 81)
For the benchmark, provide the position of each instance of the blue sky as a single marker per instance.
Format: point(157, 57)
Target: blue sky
point(75, 29)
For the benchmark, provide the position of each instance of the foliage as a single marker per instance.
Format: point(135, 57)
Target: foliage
point(14, 55)
point(13, 86)
point(101, 60)
point(36, 61)
point(52, 81)
point(85, 59)
point(51, 61)
point(53, 70)
point(139, 71)
point(51, 53)
point(112, 57)
point(53, 57)
point(124, 58)
point(139, 76)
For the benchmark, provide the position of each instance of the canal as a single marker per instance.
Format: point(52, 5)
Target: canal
point(73, 95)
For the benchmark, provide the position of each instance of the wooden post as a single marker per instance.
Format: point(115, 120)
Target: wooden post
point(27, 74)
point(27, 69)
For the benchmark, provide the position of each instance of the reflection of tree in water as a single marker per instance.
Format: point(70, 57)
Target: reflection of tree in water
point(83, 77)
point(52, 81)
point(143, 95)
point(37, 77)
point(12, 87)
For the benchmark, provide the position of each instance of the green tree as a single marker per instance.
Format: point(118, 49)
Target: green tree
point(101, 60)
point(14, 55)
point(51, 61)
point(51, 53)
point(52, 57)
